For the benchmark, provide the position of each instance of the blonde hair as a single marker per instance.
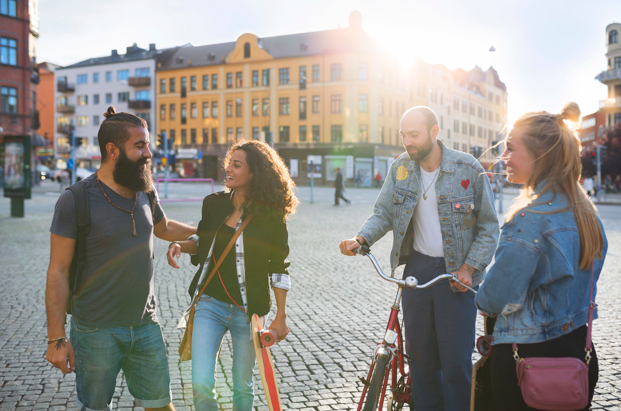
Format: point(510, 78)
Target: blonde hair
point(556, 150)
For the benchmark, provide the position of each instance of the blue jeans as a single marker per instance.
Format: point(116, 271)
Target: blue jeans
point(102, 352)
point(439, 338)
point(211, 321)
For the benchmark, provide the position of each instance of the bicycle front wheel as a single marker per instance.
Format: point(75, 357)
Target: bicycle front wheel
point(377, 382)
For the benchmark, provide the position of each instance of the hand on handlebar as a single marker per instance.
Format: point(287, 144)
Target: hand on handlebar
point(464, 275)
point(347, 247)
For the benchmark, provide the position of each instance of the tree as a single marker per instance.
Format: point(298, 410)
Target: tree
point(612, 140)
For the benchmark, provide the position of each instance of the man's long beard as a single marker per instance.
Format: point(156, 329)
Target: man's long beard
point(421, 152)
point(132, 175)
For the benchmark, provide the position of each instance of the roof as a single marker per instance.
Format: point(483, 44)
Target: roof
point(133, 53)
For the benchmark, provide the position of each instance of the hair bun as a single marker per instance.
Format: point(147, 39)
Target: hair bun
point(110, 112)
point(570, 112)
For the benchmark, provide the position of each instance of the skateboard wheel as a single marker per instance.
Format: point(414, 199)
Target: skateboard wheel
point(484, 345)
point(267, 337)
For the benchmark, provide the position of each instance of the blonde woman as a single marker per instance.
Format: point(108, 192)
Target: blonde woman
point(538, 286)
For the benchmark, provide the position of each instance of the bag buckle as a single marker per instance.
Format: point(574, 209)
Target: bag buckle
point(516, 356)
point(588, 355)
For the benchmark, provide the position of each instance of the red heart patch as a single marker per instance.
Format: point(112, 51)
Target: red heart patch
point(465, 184)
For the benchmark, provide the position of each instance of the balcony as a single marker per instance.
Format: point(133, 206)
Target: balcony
point(64, 128)
point(609, 75)
point(63, 108)
point(65, 87)
point(610, 103)
point(139, 81)
point(140, 104)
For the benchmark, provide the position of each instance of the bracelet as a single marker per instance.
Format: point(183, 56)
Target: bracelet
point(58, 339)
point(174, 242)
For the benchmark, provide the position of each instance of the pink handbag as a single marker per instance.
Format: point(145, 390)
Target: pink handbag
point(556, 384)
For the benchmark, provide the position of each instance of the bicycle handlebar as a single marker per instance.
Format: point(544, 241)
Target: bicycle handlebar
point(410, 282)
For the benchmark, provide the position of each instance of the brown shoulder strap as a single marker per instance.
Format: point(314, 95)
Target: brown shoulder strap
point(223, 256)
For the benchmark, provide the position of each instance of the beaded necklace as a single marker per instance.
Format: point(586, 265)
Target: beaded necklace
point(131, 212)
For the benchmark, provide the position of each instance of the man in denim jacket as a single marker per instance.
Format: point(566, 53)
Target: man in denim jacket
point(439, 204)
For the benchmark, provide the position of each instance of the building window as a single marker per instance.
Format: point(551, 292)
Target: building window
point(480, 131)
point(82, 100)
point(193, 136)
point(255, 107)
point(268, 134)
point(336, 133)
point(214, 135)
point(302, 77)
point(255, 78)
point(95, 77)
point(336, 72)
point(82, 78)
point(205, 135)
point(184, 86)
point(247, 50)
point(456, 103)
point(302, 138)
point(143, 95)
point(316, 73)
point(283, 134)
point(229, 108)
point(472, 109)
point(464, 106)
point(171, 85)
point(108, 76)
point(163, 86)
point(464, 128)
point(122, 97)
point(363, 103)
point(82, 121)
point(184, 136)
point(266, 106)
point(456, 126)
point(205, 109)
point(205, 87)
point(363, 133)
point(472, 130)
point(193, 110)
point(456, 146)
point(303, 108)
point(239, 83)
point(8, 96)
point(214, 86)
point(362, 71)
point(193, 83)
point(265, 74)
point(229, 80)
point(8, 7)
point(173, 112)
point(316, 135)
point(229, 135)
point(255, 133)
point(143, 72)
point(162, 111)
point(380, 106)
point(238, 107)
point(95, 98)
point(315, 104)
point(172, 136)
point(184, 113)
point(283, 106)
point(617, 62)
point(214, 111)
point(336, 103)
point(121, 75)
point(464, 147)
point(283, 76)
point(613, 37)
point(239, 134)
point(108, 98)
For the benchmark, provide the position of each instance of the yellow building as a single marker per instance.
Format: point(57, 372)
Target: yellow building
point(334, 95)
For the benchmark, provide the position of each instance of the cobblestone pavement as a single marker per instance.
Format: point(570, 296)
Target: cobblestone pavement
point(337, 311)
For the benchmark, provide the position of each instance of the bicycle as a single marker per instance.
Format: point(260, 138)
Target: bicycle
point(389, 356)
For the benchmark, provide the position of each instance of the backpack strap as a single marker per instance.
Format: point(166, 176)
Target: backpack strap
point(82, 208)
point(151, 195)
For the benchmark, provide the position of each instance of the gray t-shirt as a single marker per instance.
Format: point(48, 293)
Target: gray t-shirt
point(117, 286)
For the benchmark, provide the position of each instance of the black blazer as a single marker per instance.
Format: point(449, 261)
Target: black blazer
point(266, 249)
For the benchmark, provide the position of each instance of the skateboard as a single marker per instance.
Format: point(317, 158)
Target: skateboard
point(481, 398)
point(263, 340)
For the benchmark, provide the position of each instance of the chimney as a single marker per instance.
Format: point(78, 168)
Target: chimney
point(114, 53)
point(131, 49)
point(355, 20)
point(152, 47)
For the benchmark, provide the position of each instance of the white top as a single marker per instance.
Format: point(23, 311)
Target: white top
point(427, 232)
point(588, 184)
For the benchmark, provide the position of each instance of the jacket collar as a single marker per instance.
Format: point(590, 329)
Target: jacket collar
point(447, 163)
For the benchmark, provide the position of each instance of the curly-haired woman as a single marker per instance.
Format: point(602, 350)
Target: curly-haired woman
point(258, 185)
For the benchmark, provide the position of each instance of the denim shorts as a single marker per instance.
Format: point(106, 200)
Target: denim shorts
point(102, 352)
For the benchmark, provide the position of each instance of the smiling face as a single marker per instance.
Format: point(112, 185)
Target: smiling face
point(238, 175)
point(417, 141)
point(519, 161)
point(132, 168)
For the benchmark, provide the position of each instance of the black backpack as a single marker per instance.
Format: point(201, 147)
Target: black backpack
point(82, 210)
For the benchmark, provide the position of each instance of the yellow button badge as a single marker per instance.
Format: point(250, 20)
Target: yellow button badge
point(402, 173)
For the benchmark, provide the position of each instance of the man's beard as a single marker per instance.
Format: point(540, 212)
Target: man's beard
point(132, 175)
point(421, 152)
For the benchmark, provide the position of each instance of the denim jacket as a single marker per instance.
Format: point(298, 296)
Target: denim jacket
point(468, 219)
point(535, 287)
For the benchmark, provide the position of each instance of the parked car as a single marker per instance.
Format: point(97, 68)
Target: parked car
point(44, 172)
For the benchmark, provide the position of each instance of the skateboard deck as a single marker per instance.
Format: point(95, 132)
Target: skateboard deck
point(481, 398)
point(266, 367)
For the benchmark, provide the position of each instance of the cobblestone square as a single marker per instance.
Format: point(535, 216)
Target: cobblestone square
point(337, 310)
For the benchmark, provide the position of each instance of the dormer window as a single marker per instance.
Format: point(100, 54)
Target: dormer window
point(613, 37)
point(247, 50)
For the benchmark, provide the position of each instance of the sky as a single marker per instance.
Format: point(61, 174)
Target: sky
point(548, 52)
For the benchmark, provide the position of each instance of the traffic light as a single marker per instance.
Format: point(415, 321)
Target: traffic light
point(160, 141)
point(79, 141)
point(495, 148)
point(594, 157)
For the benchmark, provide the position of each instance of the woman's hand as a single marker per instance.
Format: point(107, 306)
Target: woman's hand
point(279, 326)
point(174, 250)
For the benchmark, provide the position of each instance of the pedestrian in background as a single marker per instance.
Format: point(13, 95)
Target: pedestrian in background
point(339, 188)
point(260, 194)
point(588, 186)
point(538, 287)
point(378, 179)
point(114, 325)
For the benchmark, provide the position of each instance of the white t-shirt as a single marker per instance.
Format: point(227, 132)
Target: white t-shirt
point(427, 232)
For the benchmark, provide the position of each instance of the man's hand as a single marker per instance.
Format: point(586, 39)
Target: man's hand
point(464, 274)
point(347, 246)
point(174, 250)
point(279, 326)
point(59, 353)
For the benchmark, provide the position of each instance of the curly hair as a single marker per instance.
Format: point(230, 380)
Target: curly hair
point(271, 189)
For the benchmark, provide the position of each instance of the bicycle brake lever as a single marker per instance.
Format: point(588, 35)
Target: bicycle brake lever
point(457, 281)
